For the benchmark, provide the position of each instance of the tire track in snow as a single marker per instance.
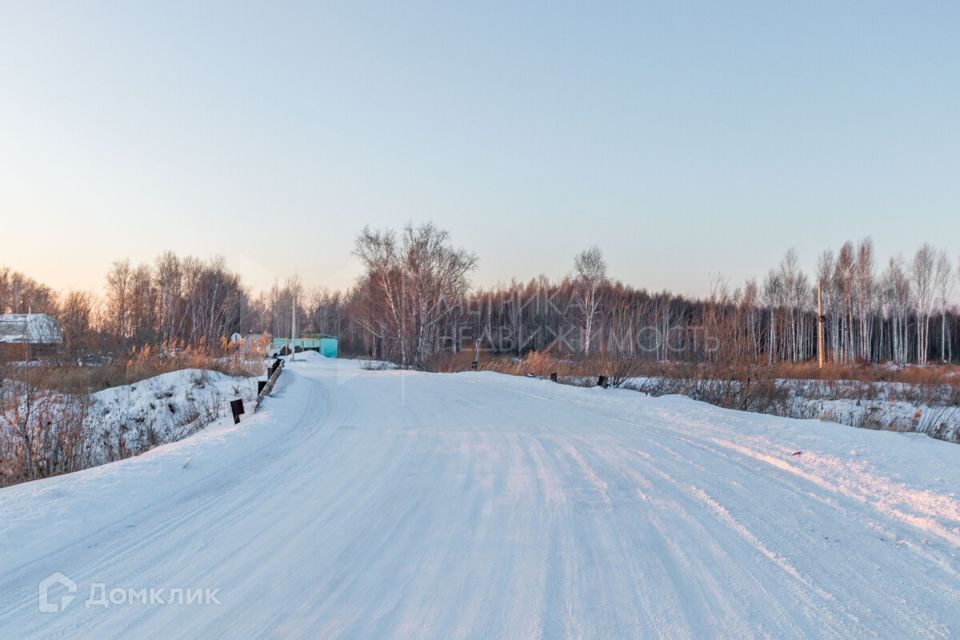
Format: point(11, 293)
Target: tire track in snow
point(907, 611)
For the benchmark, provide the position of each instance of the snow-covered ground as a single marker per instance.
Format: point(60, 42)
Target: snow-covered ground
point(391, 504)
point(127, 420)
point(881, 405)
point(165, 408)
point(890, 406)
point(938, 421)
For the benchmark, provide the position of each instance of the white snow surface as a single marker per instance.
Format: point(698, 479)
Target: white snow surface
point(161, 409)
point(391, 504)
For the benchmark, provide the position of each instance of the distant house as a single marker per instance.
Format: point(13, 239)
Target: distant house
point(25, 336)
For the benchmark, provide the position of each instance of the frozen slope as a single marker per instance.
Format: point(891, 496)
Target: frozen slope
point(384, 504)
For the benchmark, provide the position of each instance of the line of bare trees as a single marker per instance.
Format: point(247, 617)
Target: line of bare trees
point(873, 315)
point(901, 314)
point(414, 301)
point(176, 299)
point(22, 294)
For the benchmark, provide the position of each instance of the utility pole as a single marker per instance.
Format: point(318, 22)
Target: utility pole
point(293, 326)
point(819, 327)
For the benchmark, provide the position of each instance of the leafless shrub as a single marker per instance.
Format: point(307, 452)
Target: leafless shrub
point(199, 379)
point(41, 431)
point(618, 367)
point(199, 413)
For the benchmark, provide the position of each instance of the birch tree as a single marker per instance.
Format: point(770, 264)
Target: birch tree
point(864, 287)
point(898, 294)
point(924, 297)
point(414, 282)
point(943, 280)
point(590, 275)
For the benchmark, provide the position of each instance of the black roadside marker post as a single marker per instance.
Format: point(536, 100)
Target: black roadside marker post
point(236, 406)
point(260, 385)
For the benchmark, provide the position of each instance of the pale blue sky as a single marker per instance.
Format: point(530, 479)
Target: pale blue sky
point(685, 139)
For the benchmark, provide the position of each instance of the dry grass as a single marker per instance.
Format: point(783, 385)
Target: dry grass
point(859, 378)
point(535, 363)
point(862, 372)
point(542, 364)
point(139, 364)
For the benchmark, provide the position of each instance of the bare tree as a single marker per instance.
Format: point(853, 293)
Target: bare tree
point(897, 297)
point(924, 297)
point(415, 283)
point(943, 279)
point(385, 287)
point(118, 298)
point(590, 275)
point(864, 285)
point(142, 306)
point(21, 294)
point(168, 278)
point(845, 282)
point(76, 322)
point(438, 276)
point(773, 298)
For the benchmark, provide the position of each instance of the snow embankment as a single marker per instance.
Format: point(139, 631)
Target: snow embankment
point(884, 406)
point(128, 420)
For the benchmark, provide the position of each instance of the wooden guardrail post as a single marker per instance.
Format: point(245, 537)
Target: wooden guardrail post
point(264, 389)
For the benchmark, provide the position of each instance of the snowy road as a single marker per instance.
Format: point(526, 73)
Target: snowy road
point(380, 504)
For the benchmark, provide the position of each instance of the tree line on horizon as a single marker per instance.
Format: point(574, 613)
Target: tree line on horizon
point(414, 302)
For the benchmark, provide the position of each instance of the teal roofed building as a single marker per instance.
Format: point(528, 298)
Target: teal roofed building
point(325, 345)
